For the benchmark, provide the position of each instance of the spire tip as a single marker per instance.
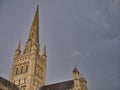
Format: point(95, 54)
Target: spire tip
point(37, 6)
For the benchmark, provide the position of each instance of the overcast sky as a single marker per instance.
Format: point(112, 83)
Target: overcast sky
point(82, 33)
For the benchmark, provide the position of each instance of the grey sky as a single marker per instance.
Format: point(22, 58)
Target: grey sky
point(85, 33)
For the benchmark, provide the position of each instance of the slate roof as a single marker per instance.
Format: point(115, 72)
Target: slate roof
point(8, 84)
point(59, 86)
point(62, 85)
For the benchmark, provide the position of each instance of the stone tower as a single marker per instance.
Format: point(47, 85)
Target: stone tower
point(29, 67)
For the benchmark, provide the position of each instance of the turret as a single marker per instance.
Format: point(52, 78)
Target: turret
point(76, 79)
point(18, 51)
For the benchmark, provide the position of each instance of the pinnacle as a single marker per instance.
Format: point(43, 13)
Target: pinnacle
point(75, 69)
point(19, 45)
point(44, 51)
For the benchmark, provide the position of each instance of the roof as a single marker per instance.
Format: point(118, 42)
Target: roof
point(59, 86)
point(8, 84)
point(62, 85)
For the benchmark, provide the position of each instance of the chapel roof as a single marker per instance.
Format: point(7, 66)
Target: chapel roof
point(59, 86)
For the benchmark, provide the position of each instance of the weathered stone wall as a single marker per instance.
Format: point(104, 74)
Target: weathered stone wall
point(7, 85)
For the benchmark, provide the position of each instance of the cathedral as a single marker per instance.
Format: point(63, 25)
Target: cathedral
point(28, 71)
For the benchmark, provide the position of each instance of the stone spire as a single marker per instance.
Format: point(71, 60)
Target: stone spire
point(33, 37)
point(34, 31)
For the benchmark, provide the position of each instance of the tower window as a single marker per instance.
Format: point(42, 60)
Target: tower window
point(16, 70)
point(24, 80)
point(23, 87)
point(26, 68)
point(35, 69)
point(21, 69)
point(19, 81)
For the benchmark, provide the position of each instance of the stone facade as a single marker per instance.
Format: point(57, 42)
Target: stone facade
point(28, 70)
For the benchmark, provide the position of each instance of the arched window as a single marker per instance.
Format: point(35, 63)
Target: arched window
point(23, 87)
point(21, 69)
point(40, 73)
point(16, 70)
point(26, 68)
point(35, 69)
point(19, 81)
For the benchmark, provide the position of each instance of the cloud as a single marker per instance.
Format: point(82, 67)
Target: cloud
point(99, 17)
point(105, 18)
point(115, 6)
point(76, 52)
point(106, 10)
